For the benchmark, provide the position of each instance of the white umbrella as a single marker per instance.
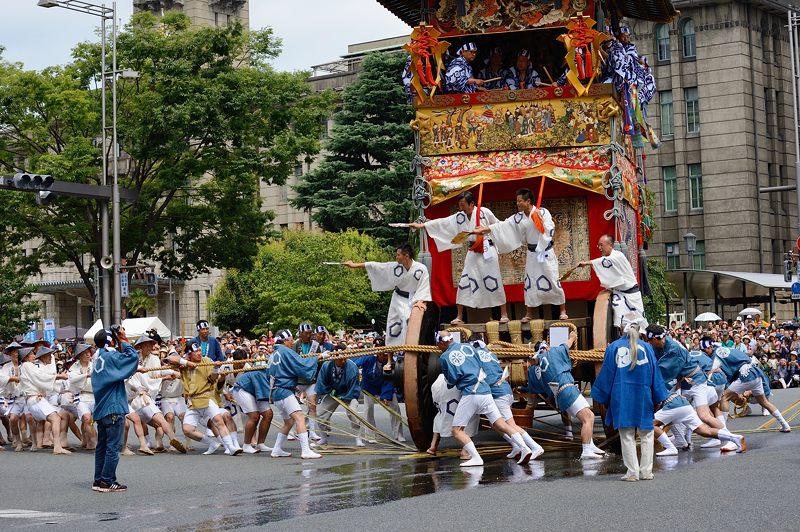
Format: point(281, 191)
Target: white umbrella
point(707, 316)
point(750, 311)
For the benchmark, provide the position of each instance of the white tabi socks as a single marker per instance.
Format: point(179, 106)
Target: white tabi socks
point(277, 449)
point(669, 447)
point(527, 453)
point(212, 443)
point(235, 438)
point(784, 425)
point(306, 453)
point(514, 454)
point(736, 439)
point(475, 459)
point(532, 445)
point(230, 448)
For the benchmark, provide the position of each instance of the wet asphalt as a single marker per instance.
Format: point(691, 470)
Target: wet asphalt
point(698, 490)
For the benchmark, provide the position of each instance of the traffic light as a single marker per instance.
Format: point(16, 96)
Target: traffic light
point(787, 271)
point(38, 182)
point(152, 284)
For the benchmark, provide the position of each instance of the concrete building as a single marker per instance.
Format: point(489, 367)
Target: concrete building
point(724, 114)
point(202, 12)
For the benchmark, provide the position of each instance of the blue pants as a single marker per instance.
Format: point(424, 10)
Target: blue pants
point(106, 456)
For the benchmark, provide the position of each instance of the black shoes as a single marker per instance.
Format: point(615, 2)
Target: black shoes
point(104, 487)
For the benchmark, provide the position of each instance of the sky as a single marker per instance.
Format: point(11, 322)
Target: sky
point(313, 31)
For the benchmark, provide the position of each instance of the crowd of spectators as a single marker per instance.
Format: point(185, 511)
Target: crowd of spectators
point(773, 345)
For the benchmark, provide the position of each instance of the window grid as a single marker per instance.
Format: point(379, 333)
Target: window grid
point(688, 36)
point(699, 256)
point(670, 189)
point(662, 42)
point(673, 255)
point(667, 120)
point(692, 110)
point(695, 187)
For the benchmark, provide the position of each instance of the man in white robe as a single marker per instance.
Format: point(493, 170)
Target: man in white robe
point(480, 284)
point(614, 270)
point(410, 282)
point(541, 283)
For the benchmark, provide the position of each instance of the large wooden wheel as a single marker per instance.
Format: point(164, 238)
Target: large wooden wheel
point(418, 371)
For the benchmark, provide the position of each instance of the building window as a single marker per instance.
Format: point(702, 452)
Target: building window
point(216, 18)
point(667, 123)
point(673, 256)
point(699, 256)
point(695, 187)
point(284, 193)
point(769, 109)
point(670, 189)
point(692, 110)
point(298, 170)
point(688, 39)
point(662, 42)
point(779, 119)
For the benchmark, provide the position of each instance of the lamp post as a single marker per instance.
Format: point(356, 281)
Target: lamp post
point(691, 244)
point(105, 13)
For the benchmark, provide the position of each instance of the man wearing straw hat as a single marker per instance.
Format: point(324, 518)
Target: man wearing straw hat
point(37, 381)
point(80, 382)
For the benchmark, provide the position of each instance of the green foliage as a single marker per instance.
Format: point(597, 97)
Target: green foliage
point(139, 303)
point(365, 180)
point(16, 307)
point(288, 285)
point(205, 122)
point(655, 305)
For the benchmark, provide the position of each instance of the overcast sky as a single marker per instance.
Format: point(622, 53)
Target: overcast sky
point(313, 31)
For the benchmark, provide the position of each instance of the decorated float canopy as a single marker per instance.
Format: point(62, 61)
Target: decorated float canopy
point(463, 17)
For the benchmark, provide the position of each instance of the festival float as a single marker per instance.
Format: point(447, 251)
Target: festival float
point(576, 139)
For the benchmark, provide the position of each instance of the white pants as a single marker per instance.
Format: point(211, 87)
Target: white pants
point(504, 405)
point(684, 415)
point(199, 417)
point(40, 408)
point(85, 407)
point(248, 403)
point(286, 407)
point(755, 385)
point(628, 439)
point(577, 405)
point(325, 409)
point(396, 426)
point(10, 406)
point(173, 405)
point(697, 395)
point(471, 405)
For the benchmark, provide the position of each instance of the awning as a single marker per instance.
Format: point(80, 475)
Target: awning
point(724, 285)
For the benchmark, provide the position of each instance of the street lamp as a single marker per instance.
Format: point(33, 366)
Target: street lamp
point(691, 246)
point(105, 14)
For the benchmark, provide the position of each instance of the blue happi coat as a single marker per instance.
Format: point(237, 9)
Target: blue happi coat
point(462, 368)
point(515, 80)
point(704, 361)
point(494, 373)
point(555, 372)
point(341, 382)
point(631, 396)
point(675, 363)
point(735, 364)
point(372, 377)
point(256, 383)
point(458, 72)
point(286, 368)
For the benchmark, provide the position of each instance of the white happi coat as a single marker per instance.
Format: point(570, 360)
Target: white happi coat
point(446, 401)
point(8, 390)
point(409, 286)
point(36, 381)
point(480, 284)
point(542, 285)
point(616, 274)
point(142, 388)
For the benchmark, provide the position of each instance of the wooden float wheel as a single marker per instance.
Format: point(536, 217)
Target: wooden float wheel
point(418, 372)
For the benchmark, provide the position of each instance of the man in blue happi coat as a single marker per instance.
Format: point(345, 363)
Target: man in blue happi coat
point(458, 77)
point(286, 368)
point(379, 387)
point(743, 376)
point(461, 368)
point(551, 369)
point(503, 397)
point(338, 379)
point(251, 392)
point(630, 386)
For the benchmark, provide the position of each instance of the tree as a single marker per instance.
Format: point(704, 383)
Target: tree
point(16, 307)
point(655, 305)
point(206, 119)
point(365, 179)
point(288, 285)
point(139, 303)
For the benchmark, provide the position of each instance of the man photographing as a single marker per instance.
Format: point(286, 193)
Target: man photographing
point(111, 368)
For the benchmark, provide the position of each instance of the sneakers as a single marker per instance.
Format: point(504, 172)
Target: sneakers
point(104, 487)
point(96, 485)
